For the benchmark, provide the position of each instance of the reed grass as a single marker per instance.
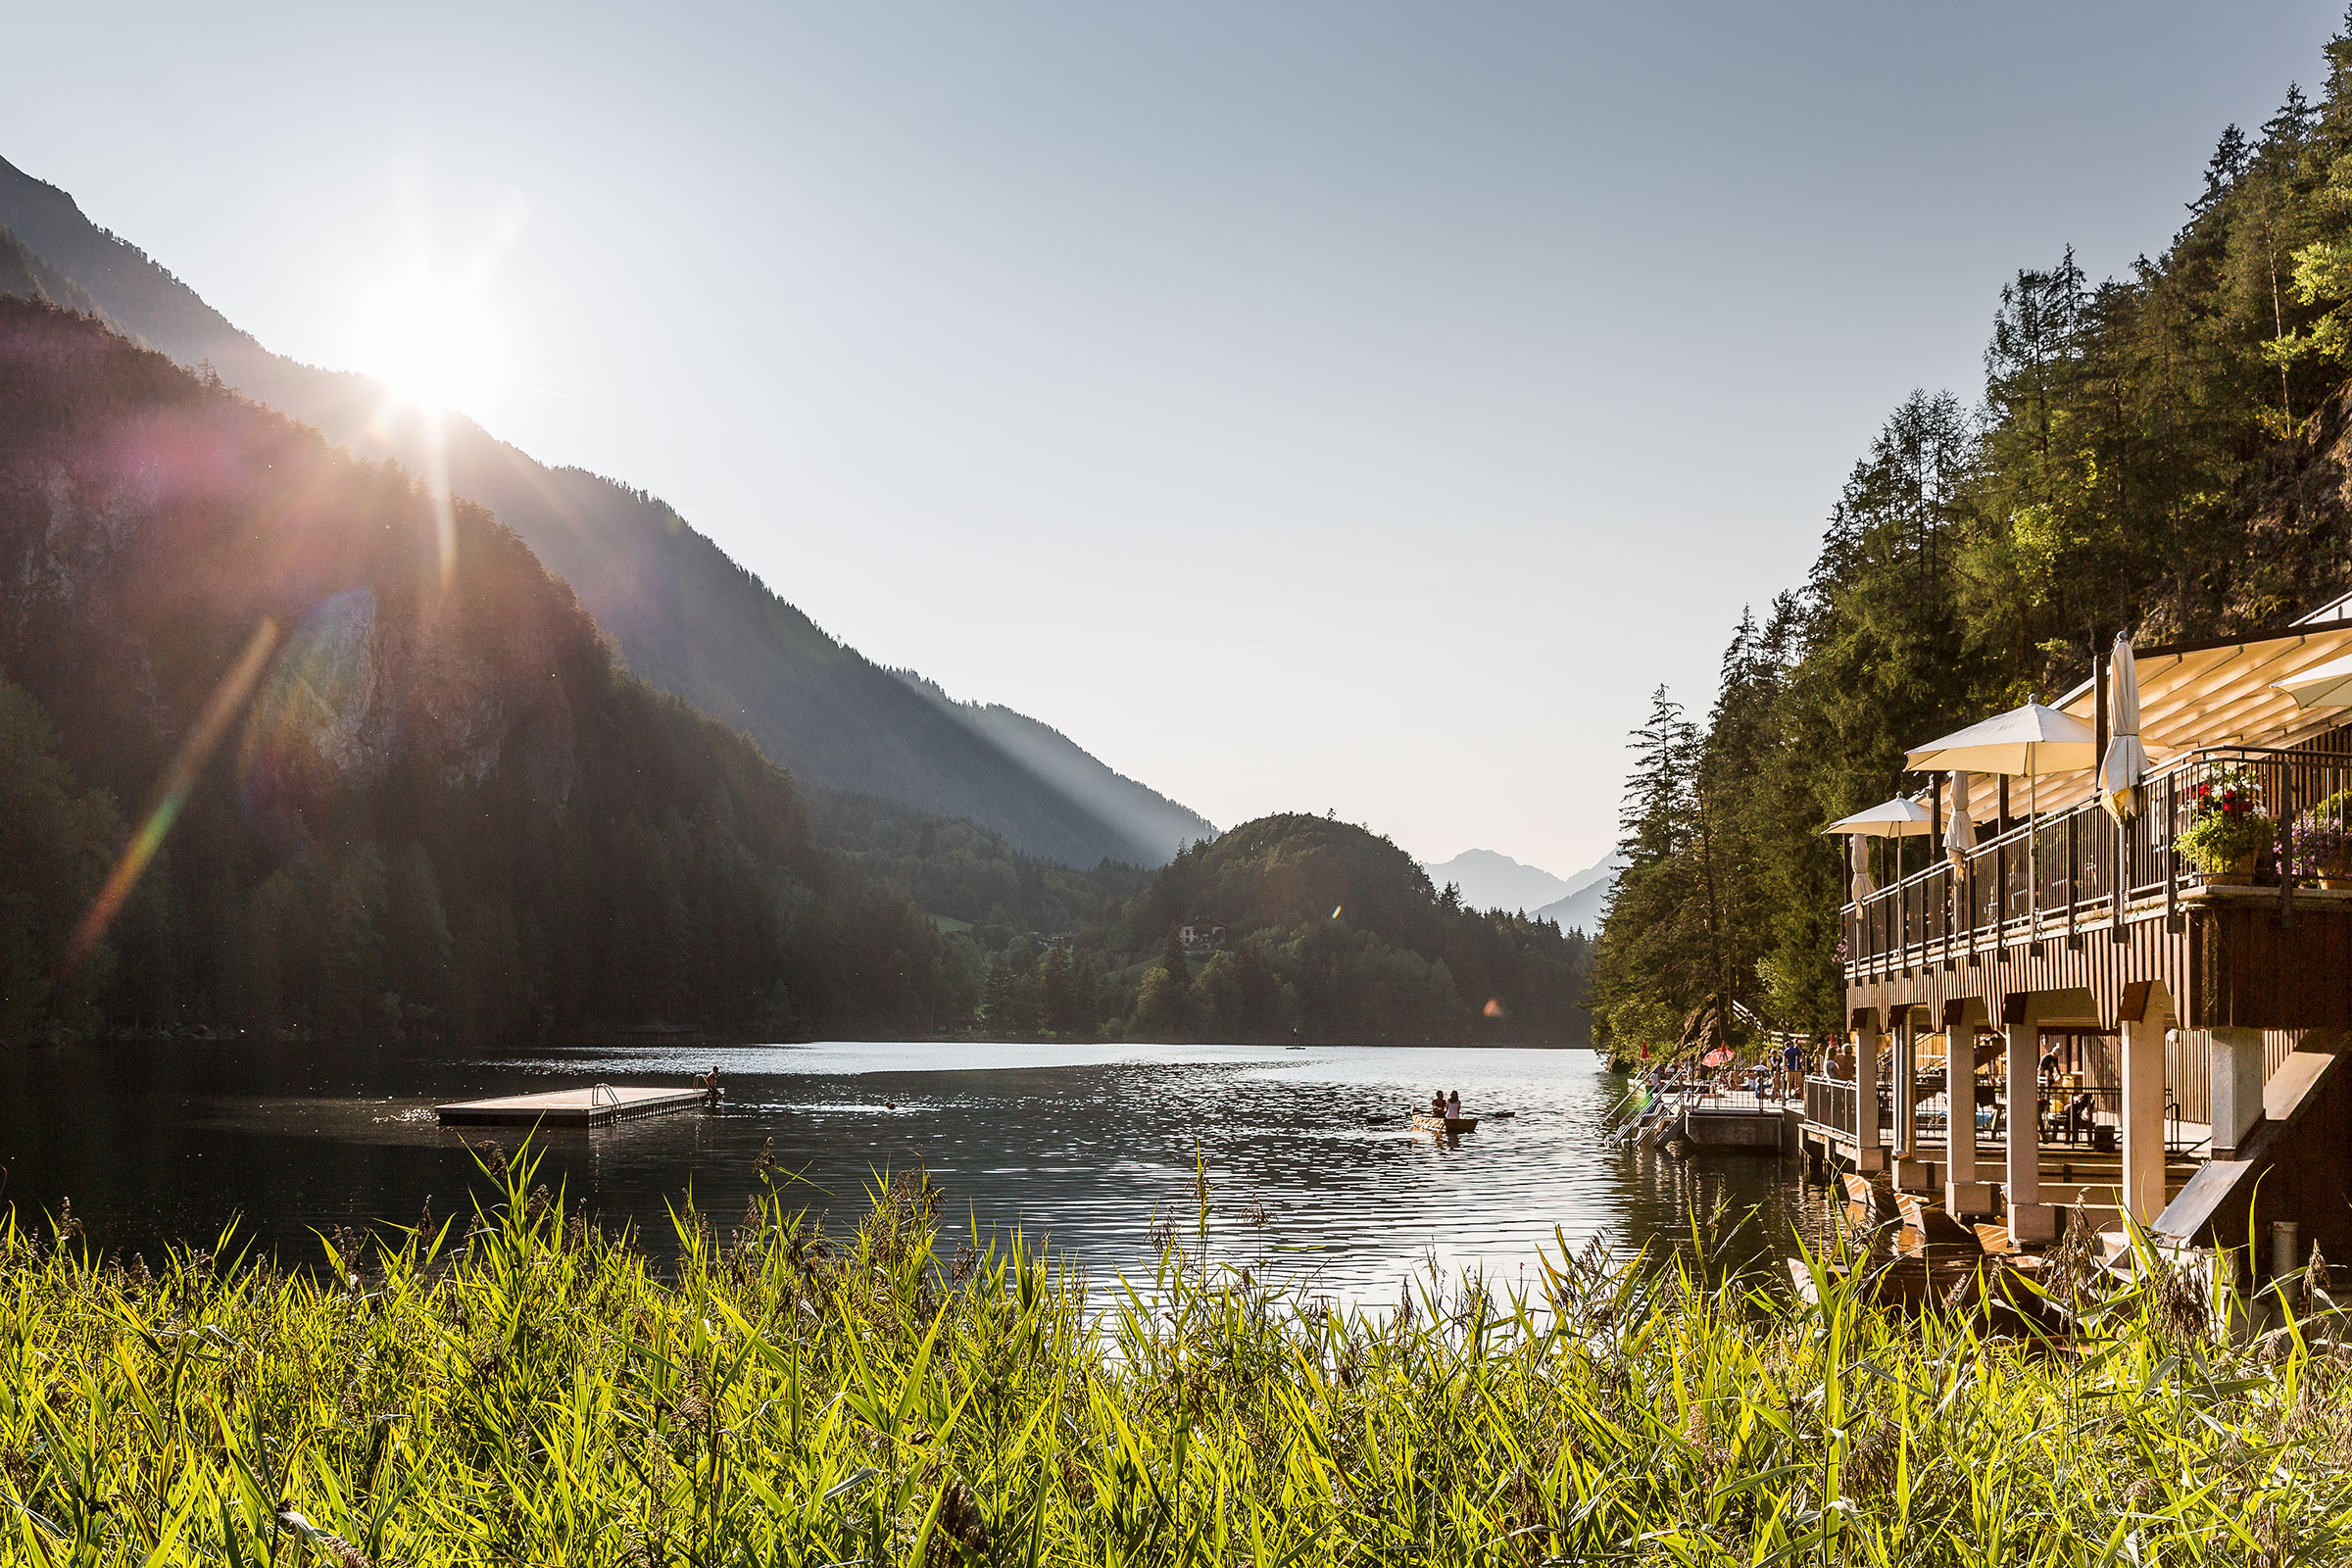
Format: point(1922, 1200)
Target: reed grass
point(522, 1389)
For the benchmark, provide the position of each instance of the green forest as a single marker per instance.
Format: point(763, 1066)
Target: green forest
point(379, 777)
point(1331, 934)
point(2167, 454)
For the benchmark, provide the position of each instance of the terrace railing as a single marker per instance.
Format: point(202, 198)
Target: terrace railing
point(1831, 1102)
point(2055, 873)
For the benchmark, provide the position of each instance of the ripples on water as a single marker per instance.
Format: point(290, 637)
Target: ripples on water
point(1079, 1146)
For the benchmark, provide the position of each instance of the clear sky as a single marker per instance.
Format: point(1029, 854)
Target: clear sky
point(1302, 406)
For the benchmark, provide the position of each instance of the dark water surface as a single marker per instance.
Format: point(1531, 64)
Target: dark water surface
point(1081, 1146)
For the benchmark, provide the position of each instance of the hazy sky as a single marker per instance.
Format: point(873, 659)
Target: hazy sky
point(1302, 405)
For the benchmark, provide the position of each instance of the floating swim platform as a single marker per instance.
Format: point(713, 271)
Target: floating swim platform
point(592, 1107)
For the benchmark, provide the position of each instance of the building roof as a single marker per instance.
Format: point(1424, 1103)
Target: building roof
point(2217, 692)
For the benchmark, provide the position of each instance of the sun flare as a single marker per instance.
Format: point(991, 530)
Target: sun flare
point(432, 345)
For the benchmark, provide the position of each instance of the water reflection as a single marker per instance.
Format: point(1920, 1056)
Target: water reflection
point(1311, 1165)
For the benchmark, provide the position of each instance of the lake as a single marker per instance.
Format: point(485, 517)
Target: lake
point(1080, 1147)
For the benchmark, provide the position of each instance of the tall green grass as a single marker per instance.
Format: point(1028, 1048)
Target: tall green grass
point(520, 1388)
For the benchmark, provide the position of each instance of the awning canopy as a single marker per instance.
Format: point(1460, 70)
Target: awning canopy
point(2031, 740)
point(1900, 818)
point(2222, 693)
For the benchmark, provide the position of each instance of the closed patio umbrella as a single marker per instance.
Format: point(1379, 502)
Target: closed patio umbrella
point(2127, 761)
point(1959, 834)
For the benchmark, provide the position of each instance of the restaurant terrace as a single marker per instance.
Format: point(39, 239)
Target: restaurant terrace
point(2110, 964)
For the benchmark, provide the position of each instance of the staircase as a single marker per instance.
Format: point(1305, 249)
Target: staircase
point(2297, 1164)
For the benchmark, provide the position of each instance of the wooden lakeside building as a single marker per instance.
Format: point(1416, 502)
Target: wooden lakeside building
point(2205, 1018)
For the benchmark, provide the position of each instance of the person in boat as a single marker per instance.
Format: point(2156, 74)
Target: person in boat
point(1454, 1103)
point(1437, 1102)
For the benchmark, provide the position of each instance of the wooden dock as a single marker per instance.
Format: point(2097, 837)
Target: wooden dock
point(591, 1107)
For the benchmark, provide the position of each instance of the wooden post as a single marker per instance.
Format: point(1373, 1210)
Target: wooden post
point(2120, 875)
point(1961, 1195)
point(2171, 856)
point(2098, 719)
point(2285, 805)
point(1906, 1073)
point(1869, 1157)
point(2000, 869)
point(2147, 1015)
point(2030, 1218)
point(2074, 862)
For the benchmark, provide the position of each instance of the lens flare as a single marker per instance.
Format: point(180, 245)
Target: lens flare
point(171, 793)
point(310, 709)
point(1493, 1008)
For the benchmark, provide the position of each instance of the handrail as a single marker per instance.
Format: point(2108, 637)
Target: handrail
point(2053, 873)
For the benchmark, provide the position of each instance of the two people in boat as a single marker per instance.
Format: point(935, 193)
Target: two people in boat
point(1445, 1104)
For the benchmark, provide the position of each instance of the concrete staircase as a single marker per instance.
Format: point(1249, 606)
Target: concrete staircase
point(2295, 1165)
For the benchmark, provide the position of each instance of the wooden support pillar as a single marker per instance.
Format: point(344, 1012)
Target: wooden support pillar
point(2029, 1218)
point(1869, 1156)
point(2237, 1098)
point(2147, 1016)
point(1906, 1074)
point(1963, 1193)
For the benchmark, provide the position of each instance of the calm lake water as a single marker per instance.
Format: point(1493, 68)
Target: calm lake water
point(1079, 1146)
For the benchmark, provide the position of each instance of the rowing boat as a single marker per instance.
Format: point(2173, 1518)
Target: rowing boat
point(1424, 1122)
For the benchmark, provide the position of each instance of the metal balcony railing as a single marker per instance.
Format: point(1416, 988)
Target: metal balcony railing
point(2054, 873)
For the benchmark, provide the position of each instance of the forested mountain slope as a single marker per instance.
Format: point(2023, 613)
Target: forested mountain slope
point(1331, 930)
point(684, 614)
point(2163, 454)
point(441, 809)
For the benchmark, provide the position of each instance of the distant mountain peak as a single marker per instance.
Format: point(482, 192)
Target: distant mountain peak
point(1587, 899)
point(1492, 880)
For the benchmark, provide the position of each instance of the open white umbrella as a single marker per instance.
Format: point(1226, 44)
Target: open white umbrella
point(1899, 819)
point(2029, 739)
point(2032, 740)
point(2127, 761)
point(2328, 685)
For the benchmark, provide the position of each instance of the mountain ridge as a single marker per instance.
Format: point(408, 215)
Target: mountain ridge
point(445, 809)
point(1078, 772)
point(1583, 910)
point(1492, 880)
point(678, 609)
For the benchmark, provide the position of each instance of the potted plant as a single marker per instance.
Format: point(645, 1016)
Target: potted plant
point(2228, 829)
point(2323, 842)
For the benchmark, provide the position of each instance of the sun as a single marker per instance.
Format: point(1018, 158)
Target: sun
point(431, 345)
